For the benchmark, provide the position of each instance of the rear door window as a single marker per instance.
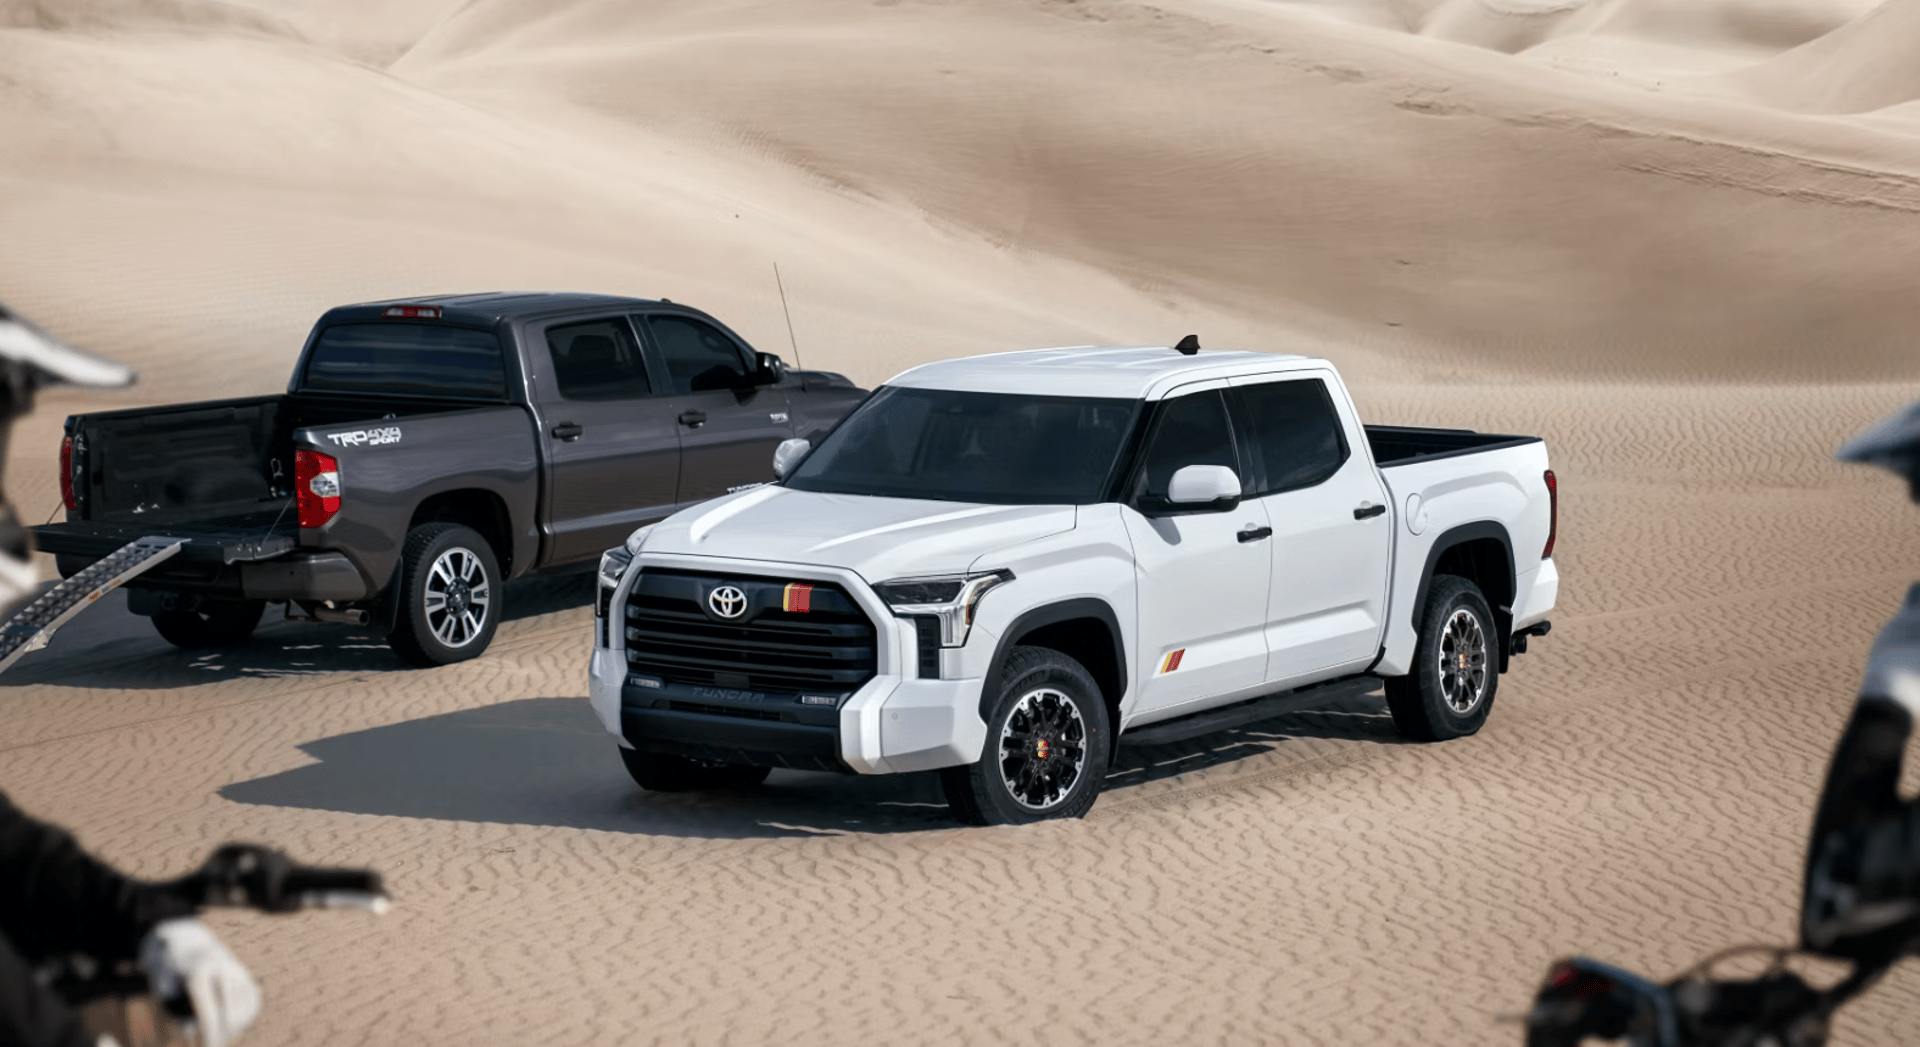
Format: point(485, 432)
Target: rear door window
point(1295, 435)
point(598, 360)
point(700, 358)
point(407, 359)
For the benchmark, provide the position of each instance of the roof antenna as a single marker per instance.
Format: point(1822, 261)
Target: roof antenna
point(1188, 346)
point(788, 313)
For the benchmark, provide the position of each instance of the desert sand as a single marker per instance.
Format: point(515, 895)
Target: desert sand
point(1677, 239)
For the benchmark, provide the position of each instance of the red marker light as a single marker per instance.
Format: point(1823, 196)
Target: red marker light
point(413, 312)
point(1553, 514)
point(66, 473)
point(797, 599)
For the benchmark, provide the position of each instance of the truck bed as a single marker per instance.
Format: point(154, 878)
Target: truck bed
point(1407, 444)
point(215, 465)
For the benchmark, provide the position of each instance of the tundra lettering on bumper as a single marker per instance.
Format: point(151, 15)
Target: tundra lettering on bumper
point(764, 729)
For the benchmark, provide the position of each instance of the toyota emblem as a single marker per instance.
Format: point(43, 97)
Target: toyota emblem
point(727, 601)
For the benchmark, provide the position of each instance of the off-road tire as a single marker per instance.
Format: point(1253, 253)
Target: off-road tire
point(1427, 702)
point(215, 623)
point(414, 637)
point(1046, 680)
point(664, 773)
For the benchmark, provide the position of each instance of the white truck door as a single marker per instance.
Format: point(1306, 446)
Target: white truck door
point(1202, 575)
point(1332, 530)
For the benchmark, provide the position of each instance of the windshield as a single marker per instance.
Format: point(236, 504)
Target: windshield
point(407, 358)
point(972, 447)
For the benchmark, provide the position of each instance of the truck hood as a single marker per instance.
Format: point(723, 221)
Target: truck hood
point(876, 538)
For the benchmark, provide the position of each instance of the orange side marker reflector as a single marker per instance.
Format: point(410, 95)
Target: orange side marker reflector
point(1172, 660)
point(797, 599)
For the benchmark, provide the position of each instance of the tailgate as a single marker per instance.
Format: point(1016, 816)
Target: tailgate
point(232, 541)
point(181, 464)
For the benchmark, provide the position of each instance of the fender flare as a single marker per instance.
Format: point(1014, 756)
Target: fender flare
point(1455, 536)
point(1459, 536)
point(1045, 615)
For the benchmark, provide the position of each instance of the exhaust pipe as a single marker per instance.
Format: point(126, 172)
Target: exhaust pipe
point(347, 616)
point(1536, 629)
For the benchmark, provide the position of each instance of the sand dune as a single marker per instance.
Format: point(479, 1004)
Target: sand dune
point(1676, 239)
point(208, 16)
point(1508, 25)
point(1731, 27)
point(1867, 64)
point(375, 32)
point(1824, 56)
point(1221, 182)
point(1240, 168)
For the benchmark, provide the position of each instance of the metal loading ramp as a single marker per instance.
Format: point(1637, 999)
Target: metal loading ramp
point(34, 625)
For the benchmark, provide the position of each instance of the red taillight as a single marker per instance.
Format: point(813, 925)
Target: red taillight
point(316, 487)
point(1553, 514)
point(66, 473)
point(414, 312)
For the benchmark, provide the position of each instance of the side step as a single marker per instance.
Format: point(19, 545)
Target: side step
point(1253, 711)
point(34, 625)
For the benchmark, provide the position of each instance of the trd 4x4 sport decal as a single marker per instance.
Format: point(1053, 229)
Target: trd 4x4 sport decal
point(386, 434)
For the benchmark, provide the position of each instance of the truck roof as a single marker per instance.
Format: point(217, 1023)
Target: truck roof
point(1119, 372)
point(490, 307)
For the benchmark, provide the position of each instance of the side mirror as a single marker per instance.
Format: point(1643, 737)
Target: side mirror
point(1202, 489)
point(788, 455)
point(768, 369)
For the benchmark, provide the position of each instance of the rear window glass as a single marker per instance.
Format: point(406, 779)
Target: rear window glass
point(416, 359)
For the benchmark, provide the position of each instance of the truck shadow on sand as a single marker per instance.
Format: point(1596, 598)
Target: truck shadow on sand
point(547, 762)
point(108, 647)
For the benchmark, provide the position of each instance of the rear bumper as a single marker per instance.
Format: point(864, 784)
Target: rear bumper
point(895, 722)
point(302, 576)
point(305, 576)
point(1539, 590)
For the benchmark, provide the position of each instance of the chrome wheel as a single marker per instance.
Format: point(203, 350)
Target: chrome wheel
point(1463, 661)
point(1043, 749)
point(458, 597)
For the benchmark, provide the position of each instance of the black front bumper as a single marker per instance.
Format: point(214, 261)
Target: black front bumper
point(760, 728)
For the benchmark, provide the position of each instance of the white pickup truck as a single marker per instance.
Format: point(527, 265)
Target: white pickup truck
point(1001, 567)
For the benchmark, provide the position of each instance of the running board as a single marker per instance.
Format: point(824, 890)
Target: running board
point(30, 629)
point(1196, 724)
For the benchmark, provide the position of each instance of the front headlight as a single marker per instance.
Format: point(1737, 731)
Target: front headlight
point(950, 598)
point(613, 567)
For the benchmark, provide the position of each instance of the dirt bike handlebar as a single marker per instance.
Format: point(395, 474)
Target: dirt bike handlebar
point(318, 888)
point(250, 876)
point(1583, 999)
point(246, 876)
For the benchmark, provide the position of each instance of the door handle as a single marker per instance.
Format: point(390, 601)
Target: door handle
point(1254, 534)
point(693, 419)
point(568, 431)
point(1368, 511)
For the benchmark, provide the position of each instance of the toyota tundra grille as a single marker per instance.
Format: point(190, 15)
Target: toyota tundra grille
point(747, 633)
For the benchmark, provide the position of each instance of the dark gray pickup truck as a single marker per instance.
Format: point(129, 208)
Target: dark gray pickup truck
point(424, 451)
